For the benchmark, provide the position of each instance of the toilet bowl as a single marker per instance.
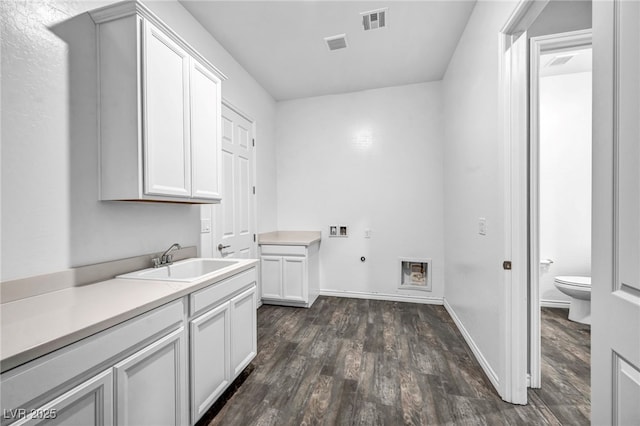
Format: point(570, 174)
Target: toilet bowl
point(579, 289)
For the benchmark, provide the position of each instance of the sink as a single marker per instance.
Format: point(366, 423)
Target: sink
point(185, 270)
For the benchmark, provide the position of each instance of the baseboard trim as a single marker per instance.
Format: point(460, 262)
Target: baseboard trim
point(280, 302)
point(383, 296)
point(486, 367)
point(546, 303)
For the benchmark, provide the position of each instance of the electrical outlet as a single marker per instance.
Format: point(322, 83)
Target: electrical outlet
point(205, 226)
point(367, 233)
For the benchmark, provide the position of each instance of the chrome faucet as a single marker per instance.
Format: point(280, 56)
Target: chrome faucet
point(165, 258)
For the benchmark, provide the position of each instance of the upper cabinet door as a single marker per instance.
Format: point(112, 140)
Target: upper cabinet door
point(166, 146)
point(205, 132)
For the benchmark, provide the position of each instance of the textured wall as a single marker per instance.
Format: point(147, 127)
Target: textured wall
point(370, 159)
point(51, 216)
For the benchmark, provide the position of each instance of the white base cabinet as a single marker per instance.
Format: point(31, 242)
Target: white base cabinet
point(223, 338)
point(88, 404)
point(244, 331)
point(210, 358)
point(151, 386)
point(290, 274)
point(150, 370)
point(117, 372)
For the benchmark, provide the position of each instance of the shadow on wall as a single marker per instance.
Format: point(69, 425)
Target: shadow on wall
point(107, 230)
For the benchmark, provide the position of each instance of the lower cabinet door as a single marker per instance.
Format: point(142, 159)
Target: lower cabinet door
point(151, 387)
point(271, 275)
point(210, 355)
point(293, 278)
point(88, 404)
point(244, 340)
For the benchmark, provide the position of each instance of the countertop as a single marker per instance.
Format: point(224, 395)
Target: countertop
point(289, 238)
point(37, 325)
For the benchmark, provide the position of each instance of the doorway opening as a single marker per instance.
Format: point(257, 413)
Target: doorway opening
point(560, 188)
point(559, 184)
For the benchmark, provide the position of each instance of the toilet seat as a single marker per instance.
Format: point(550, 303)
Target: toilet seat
point(574, 280)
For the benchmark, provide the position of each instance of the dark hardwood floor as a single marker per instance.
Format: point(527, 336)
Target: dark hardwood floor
point(566, 368)
point(368, 362)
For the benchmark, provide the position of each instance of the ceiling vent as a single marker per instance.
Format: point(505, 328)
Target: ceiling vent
point(336, 42)
point(374, 19)
point(560, 60)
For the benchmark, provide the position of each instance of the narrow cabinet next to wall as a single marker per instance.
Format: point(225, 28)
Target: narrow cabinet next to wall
point(289, 267)
point(160, 111)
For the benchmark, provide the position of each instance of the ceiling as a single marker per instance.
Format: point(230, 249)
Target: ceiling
point(281, 43)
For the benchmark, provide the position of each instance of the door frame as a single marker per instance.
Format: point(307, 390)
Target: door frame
point(540, 45)
point(514, 116)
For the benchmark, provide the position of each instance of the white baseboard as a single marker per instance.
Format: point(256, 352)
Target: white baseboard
point(546, 303)
point(486, 367)
point(383, 296)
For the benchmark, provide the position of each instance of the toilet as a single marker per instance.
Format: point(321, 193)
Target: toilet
point(579, 289)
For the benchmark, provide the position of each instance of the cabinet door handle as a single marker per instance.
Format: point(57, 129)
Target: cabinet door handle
point(221, 247)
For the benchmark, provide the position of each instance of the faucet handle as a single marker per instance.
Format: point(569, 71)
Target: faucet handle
point(156, 262)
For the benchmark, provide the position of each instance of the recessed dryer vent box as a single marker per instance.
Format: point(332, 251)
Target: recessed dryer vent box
point(415, 274)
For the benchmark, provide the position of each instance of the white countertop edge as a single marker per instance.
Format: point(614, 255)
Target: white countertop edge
point(289, 238)
point(23, 355)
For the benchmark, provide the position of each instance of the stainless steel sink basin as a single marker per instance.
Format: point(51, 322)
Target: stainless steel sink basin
point(185, 270)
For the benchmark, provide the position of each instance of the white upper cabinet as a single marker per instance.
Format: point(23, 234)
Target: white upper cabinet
point(166, 142)
point(160, 105)
point(206, 138)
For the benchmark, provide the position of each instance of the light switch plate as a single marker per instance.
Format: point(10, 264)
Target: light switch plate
point(205, 226)
point(482, 226)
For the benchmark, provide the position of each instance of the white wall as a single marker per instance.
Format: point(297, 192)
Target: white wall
point(473, 179)
point(565, 179)
point(51, 216)
point(474, 172)
point(370, 159)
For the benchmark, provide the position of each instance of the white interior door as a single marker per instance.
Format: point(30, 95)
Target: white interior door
point(234, 216)
point(615, 373)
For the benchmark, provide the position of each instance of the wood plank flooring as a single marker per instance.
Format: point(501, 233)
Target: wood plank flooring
point(566, 363)
point(368, 362)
